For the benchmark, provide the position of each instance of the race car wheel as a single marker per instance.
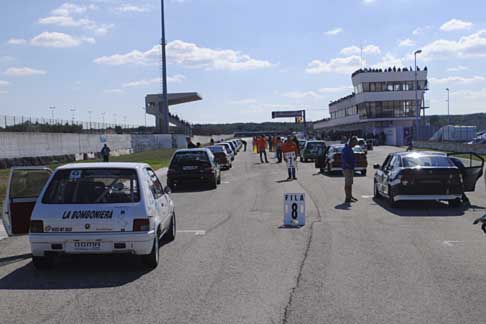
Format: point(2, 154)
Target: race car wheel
point(213, 184)
point(363, 173)
point(44, 262)
point(219, 179)
point(152, 260)
point(171, 232)
point(391, 197)
point(454, 203)
point(329, 169)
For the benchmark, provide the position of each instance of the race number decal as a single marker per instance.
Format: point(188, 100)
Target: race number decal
point(294, 209)
point(291, 159)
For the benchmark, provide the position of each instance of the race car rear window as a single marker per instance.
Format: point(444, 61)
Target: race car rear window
point(93, 186)
point(198, 157)
point(426, 161)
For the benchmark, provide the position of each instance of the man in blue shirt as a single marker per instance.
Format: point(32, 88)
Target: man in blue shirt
point(348, 164)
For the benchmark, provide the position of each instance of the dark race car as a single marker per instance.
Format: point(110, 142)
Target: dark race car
point(221, 156)
point(311, 150)
point(427, 176)
point(192, 167)
point(329, 160)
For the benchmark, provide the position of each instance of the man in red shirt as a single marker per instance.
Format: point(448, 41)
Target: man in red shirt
point(261, 148)
point(290, 150)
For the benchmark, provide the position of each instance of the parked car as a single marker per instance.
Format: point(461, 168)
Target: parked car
point(312, 150)
point(427, 176)
point(95, 208)
point(221, 156)
point(229, 149)
point(193, 167)
point(329, 160)
point(362, 143)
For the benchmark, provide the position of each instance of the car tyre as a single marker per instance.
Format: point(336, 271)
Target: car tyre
point(329, 171)
point(363, 173)
point(152, 260)
point(171, 232)
point(391, 198)
point(44, 262)
point(454, 203)
point(213, 184)
point(219, 179)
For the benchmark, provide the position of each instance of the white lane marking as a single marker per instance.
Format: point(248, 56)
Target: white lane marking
point(366, 196)
point(196, 232)
point(226, 182)
point(451, 243)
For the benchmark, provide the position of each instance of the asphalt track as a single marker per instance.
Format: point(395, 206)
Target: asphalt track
point(233, 262)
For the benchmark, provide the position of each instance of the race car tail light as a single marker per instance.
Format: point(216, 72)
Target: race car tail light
point(209, 170)
point(405, 178)
point(141, 225)
point(36, 226)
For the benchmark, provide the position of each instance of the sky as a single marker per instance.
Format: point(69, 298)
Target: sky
point(246, 58)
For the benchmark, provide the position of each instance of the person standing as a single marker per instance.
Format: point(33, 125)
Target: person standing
point(105, 153)
point(348, 164)
point(290, 151)
point(190, 144)
point(261, 147)
point(211, 142)
point(244, 143)
point(278, 146)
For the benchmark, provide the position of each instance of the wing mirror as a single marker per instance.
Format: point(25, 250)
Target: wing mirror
point(376, 166)
point(167, 190)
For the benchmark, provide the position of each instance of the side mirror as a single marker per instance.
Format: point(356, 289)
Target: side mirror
point(376, 166)
point(167, 190)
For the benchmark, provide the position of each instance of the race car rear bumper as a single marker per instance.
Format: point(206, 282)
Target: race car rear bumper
point(139, 243)
point(426, 197)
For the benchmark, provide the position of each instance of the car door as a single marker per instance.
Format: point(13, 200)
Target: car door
point(162, 204)
point(471, 166)
point(24, 186)
point(381, 174)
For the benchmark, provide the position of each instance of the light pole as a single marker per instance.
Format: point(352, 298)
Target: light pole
point(145, 115)
point(89, 114)
point(103, 118)
point(52, 108)
point(448, 108)
point(165, 103)
point(417, 108)
point(73, 117)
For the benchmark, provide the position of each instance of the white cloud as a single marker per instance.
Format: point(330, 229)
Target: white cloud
point(407, 42)
point(473, 45)
point(389, 60)
point(23, 71)
point(68, 9)
point(4, 83)
point(127, 7)
point(458, 79)
point(189, 55)
point(59, 40)
point(355, 50)
point(368, 1)
point(457, 68)
point(345, 65)
point(471, 94)
point(113, 91)
point(334, 31)
point(456, 24)
point(246, 101)
point(17, 41)
point(335, 89)
point(63, 16)
point(420, 30)
point(177, 78)
point(302, 95)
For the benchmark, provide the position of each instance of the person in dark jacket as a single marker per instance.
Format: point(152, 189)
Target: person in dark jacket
point(348, 165)
point(105, 153)
point(190, 144)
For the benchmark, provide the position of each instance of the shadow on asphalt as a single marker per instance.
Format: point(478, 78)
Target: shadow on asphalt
point(78, 272)
point(343, 206)
point(186, 188)
point(282, 181)
point(15, 258)
point(421, 208)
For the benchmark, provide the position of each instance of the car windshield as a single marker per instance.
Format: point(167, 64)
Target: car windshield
point(93, 186)
point(412, 161)
point(357, 149)
point(314, 146)
point(190, 157)
point(216, 149)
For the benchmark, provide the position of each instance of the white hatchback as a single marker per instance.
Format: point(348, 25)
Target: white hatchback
point(90, 208)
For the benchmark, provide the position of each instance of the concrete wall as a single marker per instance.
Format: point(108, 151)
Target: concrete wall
point(17, 145)
point(451, 146)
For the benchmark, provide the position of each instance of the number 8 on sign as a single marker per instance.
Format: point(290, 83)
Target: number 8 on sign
point(294, 209)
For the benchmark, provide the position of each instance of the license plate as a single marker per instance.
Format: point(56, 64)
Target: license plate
point(189, 167)
point(86, 245)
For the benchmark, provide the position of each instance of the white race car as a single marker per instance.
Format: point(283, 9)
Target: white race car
point(94, 208)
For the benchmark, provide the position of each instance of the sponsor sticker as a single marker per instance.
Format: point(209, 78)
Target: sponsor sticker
point(75, 175)
point(87, 214)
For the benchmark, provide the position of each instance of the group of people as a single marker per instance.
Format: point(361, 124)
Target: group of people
point(287, 150)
